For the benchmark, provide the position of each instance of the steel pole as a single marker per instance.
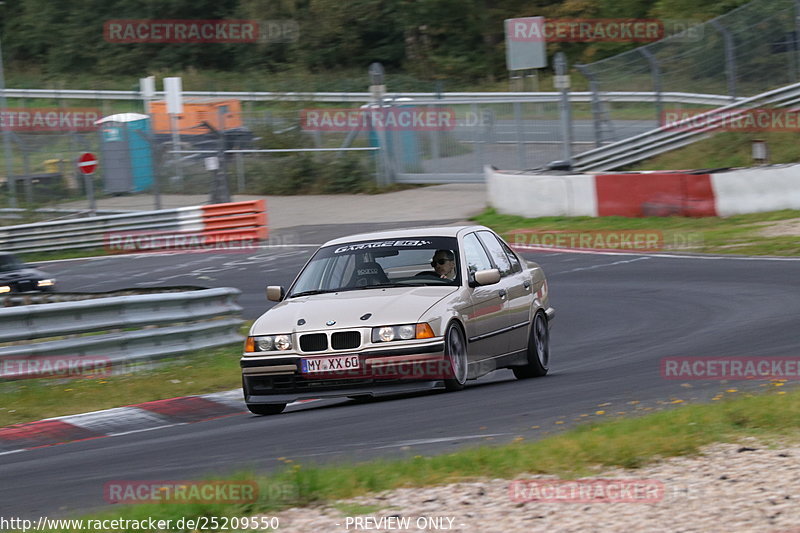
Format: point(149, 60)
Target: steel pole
point(12, 186)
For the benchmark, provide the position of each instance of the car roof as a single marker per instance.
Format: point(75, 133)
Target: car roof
point(428, 231)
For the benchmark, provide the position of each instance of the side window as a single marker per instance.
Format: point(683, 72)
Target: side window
point(475, 254)
point(496, 252)
point(515, 265)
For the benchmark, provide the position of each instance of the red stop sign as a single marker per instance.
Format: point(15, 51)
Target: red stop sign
point(87, 163)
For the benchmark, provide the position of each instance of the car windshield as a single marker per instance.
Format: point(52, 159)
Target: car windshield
point(412, 261)
point(9, 263)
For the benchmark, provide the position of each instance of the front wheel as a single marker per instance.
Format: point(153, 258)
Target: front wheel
point(538, 350)
point(266, 408)
point(455, 352)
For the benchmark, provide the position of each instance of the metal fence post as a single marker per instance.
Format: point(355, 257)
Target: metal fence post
point(730, 56)
point(565, 108)
point(597, 111)
point(9, 157)
point(655, 72)
point(796, 43)
point(520, 134)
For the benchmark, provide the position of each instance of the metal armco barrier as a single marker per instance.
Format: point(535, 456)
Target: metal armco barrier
point(364, 97)
point(186, 321)
point(664, 139)
point(236, 221)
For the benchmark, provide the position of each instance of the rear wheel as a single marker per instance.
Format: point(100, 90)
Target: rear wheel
point(538, 350)
point(266, 408)
point(455, 351)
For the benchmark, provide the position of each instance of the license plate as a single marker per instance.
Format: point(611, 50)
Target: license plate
point(329, 364)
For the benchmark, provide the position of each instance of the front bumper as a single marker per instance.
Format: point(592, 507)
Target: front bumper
point(279, 379)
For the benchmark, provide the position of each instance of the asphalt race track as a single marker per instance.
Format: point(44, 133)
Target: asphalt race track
point(617, 316)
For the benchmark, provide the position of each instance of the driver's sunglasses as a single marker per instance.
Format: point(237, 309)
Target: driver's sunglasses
point(440, 261)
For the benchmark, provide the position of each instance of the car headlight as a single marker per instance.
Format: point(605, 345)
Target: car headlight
point(402, 332)
point(268, 343)
point(45, 283)
point(4, 289)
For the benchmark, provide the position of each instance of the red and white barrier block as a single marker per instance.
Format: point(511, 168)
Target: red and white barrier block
point(636, 194)
point(234, 226)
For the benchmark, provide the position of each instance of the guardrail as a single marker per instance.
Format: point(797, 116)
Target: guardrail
point(186, 321)
point(234, 221)
point(365, 97)
point(673, 136)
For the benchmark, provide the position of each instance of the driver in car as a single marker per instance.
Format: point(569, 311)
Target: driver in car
point(444, 265)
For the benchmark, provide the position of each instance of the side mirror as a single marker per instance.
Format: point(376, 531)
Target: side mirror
point(485, 277)
point(275, 293)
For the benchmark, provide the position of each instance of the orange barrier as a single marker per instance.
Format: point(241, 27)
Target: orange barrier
point(246, 220)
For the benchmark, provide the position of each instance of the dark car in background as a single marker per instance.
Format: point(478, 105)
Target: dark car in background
point(17, 277)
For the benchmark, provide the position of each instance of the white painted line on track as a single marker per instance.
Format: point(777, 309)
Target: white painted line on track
point(139, 256)
point(555, 251)
point(602, 265)
point(440, 439)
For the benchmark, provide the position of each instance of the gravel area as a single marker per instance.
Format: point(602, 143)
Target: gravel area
point(748, 487)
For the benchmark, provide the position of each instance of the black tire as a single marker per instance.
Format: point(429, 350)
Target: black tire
point(455, 351)
point(266, 408)
point(538, 350)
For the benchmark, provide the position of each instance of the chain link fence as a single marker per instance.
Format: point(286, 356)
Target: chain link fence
point(743, 53)
point(232, 147)
point(277, 148)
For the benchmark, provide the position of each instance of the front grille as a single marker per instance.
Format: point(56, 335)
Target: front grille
point(25, 285)
point(345, 340)
point(288, 384)
point(313, 342)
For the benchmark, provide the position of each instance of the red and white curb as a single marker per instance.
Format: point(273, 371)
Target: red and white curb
point(122, 420)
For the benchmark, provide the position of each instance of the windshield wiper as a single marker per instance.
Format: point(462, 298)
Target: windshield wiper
point(309, 293)
point(393, 285)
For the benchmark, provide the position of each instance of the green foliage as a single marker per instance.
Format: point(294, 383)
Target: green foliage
point(305, 173)
point(430, 40)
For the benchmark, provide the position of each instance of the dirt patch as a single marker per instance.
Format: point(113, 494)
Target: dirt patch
point(781, 228)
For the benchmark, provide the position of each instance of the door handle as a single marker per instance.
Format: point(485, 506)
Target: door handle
point(502, 293)
point(526, 284)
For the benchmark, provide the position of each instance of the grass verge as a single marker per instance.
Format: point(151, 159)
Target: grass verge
point(585, 450)
point(739, 234)
point(725, 150)
point(197, 373)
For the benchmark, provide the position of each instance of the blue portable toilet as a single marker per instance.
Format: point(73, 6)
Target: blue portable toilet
point(403, 145)
point(127, 153)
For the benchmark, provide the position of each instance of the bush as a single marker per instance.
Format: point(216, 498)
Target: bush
point(308, 173)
